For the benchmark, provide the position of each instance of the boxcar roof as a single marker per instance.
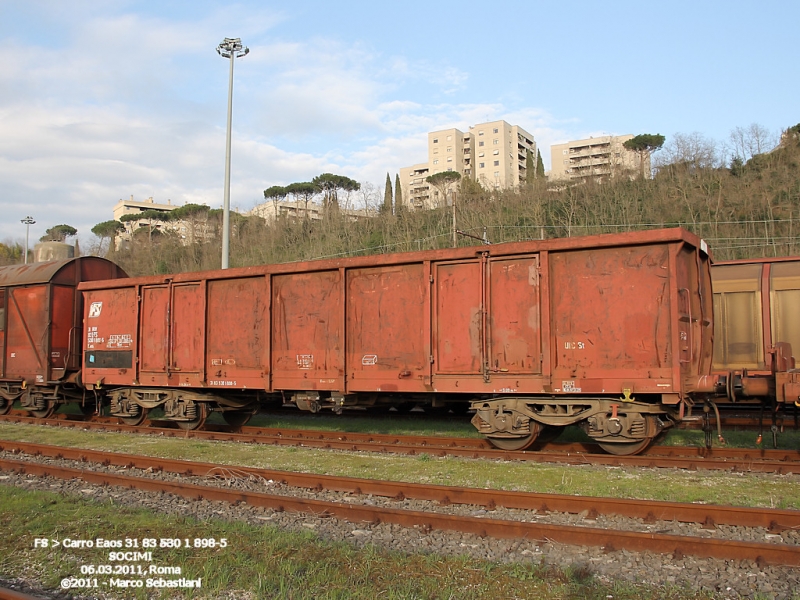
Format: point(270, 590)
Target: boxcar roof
point(44, 272)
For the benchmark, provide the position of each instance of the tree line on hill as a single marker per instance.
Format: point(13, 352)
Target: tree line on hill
point(744, 199)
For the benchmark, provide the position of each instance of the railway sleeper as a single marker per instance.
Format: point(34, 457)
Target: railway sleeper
point(618, 427)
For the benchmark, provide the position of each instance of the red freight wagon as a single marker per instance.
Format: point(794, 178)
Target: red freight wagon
point(757, 320)
point(612, 331)
point(41, 316)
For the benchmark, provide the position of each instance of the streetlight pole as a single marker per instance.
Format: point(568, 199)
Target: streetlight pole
point(229, 48)
point(27, 221)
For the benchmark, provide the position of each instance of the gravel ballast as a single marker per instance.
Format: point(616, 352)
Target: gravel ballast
point(728, 579)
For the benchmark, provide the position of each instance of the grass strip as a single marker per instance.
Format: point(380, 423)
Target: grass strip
point(672, 485)
point(265, 562)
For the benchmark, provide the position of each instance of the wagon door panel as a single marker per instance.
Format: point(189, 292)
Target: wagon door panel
point(2, 333)
point(62, 333)
point(785, 295)
point(238, 333)
point(737, 317)
point(187, 335)
point(514, 307)
point(459, 318)
point(154, 335)
point(26, 335)
point(307, 344)
point(387, 348)
point(610, 315)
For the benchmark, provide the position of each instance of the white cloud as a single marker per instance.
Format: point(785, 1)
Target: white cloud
point(123, 104)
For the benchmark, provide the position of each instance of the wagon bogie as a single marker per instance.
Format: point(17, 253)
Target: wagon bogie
point(187, 408)
point(613, 423)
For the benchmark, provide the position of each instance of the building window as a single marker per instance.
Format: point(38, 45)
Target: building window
point(436, 161)
point(481, 165)
point(494, 130)
point(564, 152)
point(480, 154)
point(496, 152)
point(495, 142)
point(497, 163)
point(449, 159)
point(435, 140)
point(480, 133)
point(480, 143)
point(449, 148)
point(449, 137)
point(497, 173)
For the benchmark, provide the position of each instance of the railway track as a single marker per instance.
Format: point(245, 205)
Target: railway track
point(102, 468)
point(681, 457)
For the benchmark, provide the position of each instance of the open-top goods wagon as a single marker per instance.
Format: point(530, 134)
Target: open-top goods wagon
point(612, 332)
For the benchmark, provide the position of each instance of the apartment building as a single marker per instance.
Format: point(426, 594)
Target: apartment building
point(130, 207)
point(299, 209)
point(601, 158)
point(188, 230)
point(493, 154)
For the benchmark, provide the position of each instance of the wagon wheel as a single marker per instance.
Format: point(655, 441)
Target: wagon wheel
point(513, 444)
point(202, 413)
point(5, 405)
point(136, 420)
point(45, 413)
point(520, 443)
point(625, 448)
point(236, 418)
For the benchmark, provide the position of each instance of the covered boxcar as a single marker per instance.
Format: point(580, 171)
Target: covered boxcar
point(612, 331)
point(757, 324)
point(41, 320)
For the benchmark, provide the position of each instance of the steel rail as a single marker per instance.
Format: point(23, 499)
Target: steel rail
point(784, 461)
point(610, 540)
point(649, 510)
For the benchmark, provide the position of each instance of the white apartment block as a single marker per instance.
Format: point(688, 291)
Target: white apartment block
point(493, 154)
point(299, 209)
point(130, 207)
point(601, 158)
point(188, 230)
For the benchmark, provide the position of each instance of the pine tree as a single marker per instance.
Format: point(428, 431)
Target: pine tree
point(530, 174)
point(398, 195)
point(387, 196)
point(539, 165)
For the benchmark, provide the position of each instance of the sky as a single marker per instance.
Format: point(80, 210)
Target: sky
point(103, 100)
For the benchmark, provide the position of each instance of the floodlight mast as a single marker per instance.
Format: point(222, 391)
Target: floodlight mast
point(229, 48)
point(27, 221)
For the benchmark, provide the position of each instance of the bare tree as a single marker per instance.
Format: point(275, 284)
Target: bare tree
point(752, 140)
point(690, 151)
